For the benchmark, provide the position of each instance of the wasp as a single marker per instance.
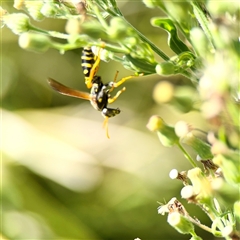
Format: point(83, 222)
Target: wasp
point(100, 93)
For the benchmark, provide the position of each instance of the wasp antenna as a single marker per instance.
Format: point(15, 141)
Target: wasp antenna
point(105, 125)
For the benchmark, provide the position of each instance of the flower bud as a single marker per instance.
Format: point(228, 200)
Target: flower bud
point(182, 128)
point(131, 41)
point(34, 7)
point(94, 29)
point(219, 147)
point(18, 4)
point(155, 123)
point(73, 27)
point(165, 68)
point(80, 40)
point(180, 223)
point(17, 22)
point(188, 192)
point(166, 133)
point(182, 98)
point(49, 10)
point(119, 29)
point(163, 92)
point(34, 42)
point(195, 175)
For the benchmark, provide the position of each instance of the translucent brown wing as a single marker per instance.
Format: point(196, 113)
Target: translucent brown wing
point(68, 91)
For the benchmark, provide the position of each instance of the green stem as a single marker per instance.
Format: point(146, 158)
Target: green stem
point(49, 33)
point(204, 227)
point(112, 48)
point(187, 155)
point(31, 27)
point(99, 16)
point(117, 10)
point(151, 44)
point(64, 47)
point(58, 35)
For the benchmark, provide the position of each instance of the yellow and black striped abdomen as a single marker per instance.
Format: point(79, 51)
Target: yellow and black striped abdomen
point(88, 60)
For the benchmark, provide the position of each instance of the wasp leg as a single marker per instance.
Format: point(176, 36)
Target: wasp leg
point(68, 91)
point(117, 84)
point(113, 99)
point(105, 125)
point(111, 84)
point(107, 113)
point(88, 80)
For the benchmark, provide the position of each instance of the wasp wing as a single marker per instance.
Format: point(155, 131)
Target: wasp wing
point(68, 91)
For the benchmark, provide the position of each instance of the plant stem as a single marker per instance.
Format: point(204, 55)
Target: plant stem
point(204, 227)
point(38, 30)
point(151, 44)
point(187, 155)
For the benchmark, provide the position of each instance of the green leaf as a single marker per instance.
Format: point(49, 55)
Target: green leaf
point(143, 66)
point(174, 41)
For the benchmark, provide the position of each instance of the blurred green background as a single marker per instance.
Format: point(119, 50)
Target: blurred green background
point(62, 178)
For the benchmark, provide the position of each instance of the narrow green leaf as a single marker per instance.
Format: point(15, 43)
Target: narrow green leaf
point(174, 41)
point(143, 66)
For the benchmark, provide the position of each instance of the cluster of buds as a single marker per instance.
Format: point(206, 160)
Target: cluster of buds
point(200, 186)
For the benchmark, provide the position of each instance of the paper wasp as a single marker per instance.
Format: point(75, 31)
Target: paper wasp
point(99, 95)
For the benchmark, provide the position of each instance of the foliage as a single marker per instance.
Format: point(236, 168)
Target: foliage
point(205, 41)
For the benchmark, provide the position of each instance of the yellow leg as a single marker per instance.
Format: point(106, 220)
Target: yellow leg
point(105, 125)
point(93, 71)
point(115, 79)
point(112, 99)
point(88, 82)
point(117, 84)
